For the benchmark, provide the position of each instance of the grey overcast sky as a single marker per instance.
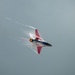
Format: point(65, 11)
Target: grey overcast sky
point(55, 20)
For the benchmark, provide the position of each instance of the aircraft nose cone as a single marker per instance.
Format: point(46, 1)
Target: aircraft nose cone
point(50, 45)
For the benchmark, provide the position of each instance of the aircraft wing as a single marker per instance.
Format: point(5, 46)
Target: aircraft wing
point(39, 48)
point(37, 34)
point(36, 48)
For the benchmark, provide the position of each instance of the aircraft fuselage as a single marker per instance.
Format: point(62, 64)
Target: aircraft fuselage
point(42, 43)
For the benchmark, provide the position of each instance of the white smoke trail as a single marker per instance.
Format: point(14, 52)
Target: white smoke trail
point(19, 23)
point(30, 27)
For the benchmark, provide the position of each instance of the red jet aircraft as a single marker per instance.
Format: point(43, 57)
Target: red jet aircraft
point(38, 42)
